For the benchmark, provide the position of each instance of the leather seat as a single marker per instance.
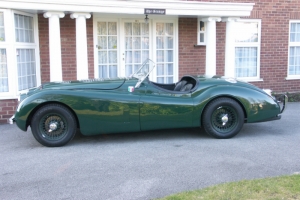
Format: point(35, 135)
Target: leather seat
point(187, 87)
point(180, 85)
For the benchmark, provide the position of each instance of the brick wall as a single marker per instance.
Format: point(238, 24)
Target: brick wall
point(7, 109)
point(191, 59)
point(275, 16)
point(44, 48)
point(68, 48)
point(90, 44)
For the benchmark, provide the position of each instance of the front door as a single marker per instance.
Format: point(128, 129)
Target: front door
point(136, 46)
point(164, 52)
point(123, 44)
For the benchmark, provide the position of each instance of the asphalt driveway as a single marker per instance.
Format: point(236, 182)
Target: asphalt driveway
point(145, 165)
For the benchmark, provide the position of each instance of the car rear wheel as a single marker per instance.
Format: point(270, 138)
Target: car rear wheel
point(53, 125)
point(223, 118)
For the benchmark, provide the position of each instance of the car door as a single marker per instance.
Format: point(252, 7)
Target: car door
point(161, 109)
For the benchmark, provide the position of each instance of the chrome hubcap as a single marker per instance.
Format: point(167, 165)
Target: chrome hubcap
point(53, 126)
point(224, 119)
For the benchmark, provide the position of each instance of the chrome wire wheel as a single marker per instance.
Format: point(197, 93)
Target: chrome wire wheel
point(53, 127)
point(224, 119)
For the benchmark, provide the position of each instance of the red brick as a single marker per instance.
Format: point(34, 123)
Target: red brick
point(3, 121)
point(275, 17)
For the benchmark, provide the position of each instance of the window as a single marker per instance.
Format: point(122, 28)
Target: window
point(19, 53)
point(247, 49)
point(201, 32)
point(3, 71)
point(2, 33)
point(26, 69)
point(24, 28)
point(165, 52)
point(25, 52)
point(3, 58)
point(136, 45)
point(294, 50)
point(107, 49)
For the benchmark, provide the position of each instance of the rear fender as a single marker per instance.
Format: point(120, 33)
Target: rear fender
point(257, 105)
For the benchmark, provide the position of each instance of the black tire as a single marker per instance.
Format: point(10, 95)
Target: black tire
point(53, 125)
point(223, 118)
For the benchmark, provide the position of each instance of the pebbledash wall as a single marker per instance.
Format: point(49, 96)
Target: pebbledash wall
point(275, 17)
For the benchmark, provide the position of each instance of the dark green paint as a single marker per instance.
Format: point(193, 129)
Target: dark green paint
point(107, 106)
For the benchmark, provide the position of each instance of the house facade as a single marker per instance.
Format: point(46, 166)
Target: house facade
point(257, 41)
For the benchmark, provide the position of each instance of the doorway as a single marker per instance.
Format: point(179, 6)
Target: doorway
point(123, 44)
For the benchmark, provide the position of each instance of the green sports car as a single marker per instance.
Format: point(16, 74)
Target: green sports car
point(220, 105)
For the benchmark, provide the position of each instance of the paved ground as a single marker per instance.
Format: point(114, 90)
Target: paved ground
point(145, 165)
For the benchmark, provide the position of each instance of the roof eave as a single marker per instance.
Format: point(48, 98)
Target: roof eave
point(179, 8)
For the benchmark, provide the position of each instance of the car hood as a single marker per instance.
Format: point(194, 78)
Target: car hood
point(99, 84)
point(92, 84)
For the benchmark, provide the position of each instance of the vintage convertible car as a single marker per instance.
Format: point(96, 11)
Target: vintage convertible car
point(221, 105)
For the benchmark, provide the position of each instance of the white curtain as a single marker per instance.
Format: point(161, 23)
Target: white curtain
point(295, 32)
point(136, 46)
point(246, 50)
point(2, 34)
point(294, 59)
point(3, 72)
point(246, 61)
point(26, 68)
point(107, 49)
point(164, 52)
point(3, 63)
point(24, 29)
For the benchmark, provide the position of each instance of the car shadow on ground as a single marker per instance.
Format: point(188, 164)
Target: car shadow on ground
point(248, 131)
point(167, 134)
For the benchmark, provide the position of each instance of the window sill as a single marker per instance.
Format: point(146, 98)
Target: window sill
point(251, 80)
point(292, 78)
point(199, 45)
point(7, 97)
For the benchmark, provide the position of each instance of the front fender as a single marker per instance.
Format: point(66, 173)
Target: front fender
point(257, 105)
point(34, 101)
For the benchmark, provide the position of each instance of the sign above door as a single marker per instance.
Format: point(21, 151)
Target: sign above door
point(154, 11)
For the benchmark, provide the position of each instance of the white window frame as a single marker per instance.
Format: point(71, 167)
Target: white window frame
point(35, 46)
point(292, 44)
point(95, 33)
point(251, 44)
point(9, 36)
point(199, 31)
point(11, 47)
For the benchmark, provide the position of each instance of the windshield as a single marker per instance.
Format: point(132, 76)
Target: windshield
point(143, 72)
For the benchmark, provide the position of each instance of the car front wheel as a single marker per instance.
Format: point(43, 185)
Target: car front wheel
point(223, 118)
point(53, 125)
